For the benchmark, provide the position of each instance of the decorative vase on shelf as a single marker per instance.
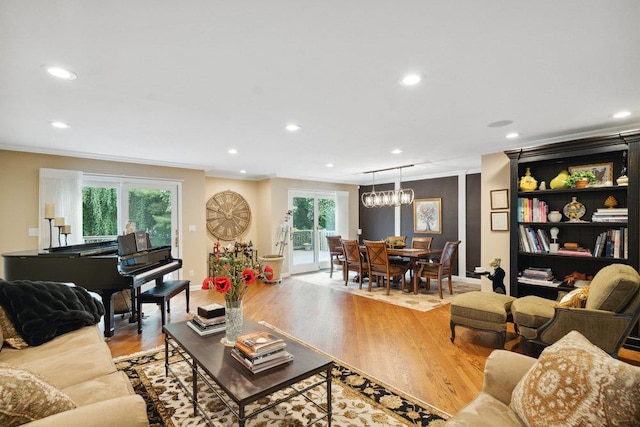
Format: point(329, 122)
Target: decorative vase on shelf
point(574, 210)
point(233, 315)
point(527, 182)
point(554, 216)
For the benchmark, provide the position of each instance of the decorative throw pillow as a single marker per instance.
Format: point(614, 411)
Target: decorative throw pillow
point(575, 383)
point(577, 298)
point(26, 396)
point(11, 336)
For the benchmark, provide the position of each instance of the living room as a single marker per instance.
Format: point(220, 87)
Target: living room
point(510, 69)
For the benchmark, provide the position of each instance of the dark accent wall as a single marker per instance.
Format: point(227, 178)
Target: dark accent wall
point(472, 220)
point(377, 223)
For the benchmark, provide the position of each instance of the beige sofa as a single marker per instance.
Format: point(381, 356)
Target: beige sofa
point(79, 364)
point(573, 383)
point(69, 380)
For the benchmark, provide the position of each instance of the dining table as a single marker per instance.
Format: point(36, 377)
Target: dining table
point(414, 255)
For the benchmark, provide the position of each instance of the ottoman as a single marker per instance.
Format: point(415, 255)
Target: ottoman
point(485, 311)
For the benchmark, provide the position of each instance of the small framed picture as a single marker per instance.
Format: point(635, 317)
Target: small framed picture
point(500, 199)
point(602, 171)
point(499, 221)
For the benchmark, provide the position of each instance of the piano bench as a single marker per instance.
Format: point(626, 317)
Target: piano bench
point(161, 294)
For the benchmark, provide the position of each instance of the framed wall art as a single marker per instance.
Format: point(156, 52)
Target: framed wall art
point(500, 199)
point(427, 216)
point(602, 171)
point(499, 221)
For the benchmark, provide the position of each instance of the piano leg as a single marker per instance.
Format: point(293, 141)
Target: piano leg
point(134, 311)
point(109, 326)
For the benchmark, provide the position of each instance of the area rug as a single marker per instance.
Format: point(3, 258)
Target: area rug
point(425, 300)
point(357, 399)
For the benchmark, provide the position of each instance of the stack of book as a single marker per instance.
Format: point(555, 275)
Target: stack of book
point(538, 276)
point(611, 215)
point(209, 320)
point(259, 351)
point(573, 249)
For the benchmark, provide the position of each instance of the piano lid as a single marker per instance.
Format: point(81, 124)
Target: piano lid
point(131, 243)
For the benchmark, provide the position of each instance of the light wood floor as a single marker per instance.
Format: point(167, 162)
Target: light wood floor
point(407, 349)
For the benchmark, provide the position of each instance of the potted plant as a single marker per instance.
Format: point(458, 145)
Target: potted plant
point(271, 265)
point(580, 179)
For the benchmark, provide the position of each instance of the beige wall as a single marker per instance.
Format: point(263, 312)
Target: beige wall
point(19, 185)
point(494, 176)
point(269, 200)
point(19, 194)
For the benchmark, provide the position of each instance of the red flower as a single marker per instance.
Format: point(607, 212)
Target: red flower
point(207, 283)
point(248, 276)
point(222, 284)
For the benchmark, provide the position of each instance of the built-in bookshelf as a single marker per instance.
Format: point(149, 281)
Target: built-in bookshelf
point(599, 237)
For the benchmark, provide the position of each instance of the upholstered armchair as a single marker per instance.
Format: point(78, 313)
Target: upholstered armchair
point(612, 309)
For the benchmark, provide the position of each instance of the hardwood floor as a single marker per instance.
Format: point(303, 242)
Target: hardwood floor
point(407, 349)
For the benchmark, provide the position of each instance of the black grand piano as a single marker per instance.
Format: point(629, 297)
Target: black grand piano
point(104, 267)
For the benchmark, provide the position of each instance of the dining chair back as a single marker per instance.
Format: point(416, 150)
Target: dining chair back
point(336, 256)
point(421, 242)
point(379, 265)
point(354, 262)
point(443, 268)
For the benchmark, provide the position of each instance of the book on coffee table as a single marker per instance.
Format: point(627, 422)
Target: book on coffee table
point(259, 343)
point(206, 330)
point(280, 358)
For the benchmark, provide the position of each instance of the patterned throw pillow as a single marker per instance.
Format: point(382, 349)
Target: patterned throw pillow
point(577, 298)
point(575, 383)
point(11, 335)
point(26, 397)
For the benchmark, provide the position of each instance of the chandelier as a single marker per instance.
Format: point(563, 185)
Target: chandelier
point(388, 198)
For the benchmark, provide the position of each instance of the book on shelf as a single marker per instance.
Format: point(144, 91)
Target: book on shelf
point(540, 282)
point(575, 252)
point(203, 331)
point(613, 243)
point(284, 357)
point(532, 240)
point(211, 311)
point(259, 343)
point(532, 210)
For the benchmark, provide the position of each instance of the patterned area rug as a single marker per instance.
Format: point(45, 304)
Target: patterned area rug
point(357, 399)
point(425, 300)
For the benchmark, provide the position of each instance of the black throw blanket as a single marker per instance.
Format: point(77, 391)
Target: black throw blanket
point(41, 311)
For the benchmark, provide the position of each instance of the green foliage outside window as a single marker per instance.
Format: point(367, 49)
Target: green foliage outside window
point(99, 211)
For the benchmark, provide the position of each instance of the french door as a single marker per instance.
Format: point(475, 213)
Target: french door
point(315, 216)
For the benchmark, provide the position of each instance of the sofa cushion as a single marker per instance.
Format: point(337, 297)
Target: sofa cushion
point(485, 411)
point(99, 389)
point(575, 383)
point(10, 333)
point(613, 287)
point(26, 396)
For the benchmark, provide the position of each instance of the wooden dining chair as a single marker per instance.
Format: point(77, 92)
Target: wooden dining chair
point(379, 265)
point(442, 268)
point(336, 256)
point(421, 242)
point(353, 261)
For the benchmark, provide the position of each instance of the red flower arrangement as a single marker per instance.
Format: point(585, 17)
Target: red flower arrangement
point(231, 276)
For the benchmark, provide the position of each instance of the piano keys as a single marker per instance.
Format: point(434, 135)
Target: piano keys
point(97, 267)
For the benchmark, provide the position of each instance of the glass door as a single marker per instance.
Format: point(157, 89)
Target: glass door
point(314, 218)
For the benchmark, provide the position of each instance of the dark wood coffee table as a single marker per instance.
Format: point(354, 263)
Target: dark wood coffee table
point(210, 361)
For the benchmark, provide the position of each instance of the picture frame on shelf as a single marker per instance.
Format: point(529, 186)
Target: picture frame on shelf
point(499, 199)
point(602, 171)
point(500, 221)
point(427, 215)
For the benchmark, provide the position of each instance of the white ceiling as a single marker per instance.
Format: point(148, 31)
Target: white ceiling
point(180, 82)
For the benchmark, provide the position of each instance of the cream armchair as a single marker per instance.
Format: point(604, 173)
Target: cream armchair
point(611, 311)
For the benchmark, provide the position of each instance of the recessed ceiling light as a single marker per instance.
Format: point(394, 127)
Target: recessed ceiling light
point(243, 171)
point(329, 165)
point(396, 151)
point(62, 73)
point(513, 135)
point(621, 114)
point(411, 79)
point(292, 127)
point(60, 125)
point(232, 151)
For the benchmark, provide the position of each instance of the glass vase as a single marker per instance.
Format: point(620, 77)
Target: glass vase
point(233, 314)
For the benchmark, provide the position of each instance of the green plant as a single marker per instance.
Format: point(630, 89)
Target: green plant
point(581, 175)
